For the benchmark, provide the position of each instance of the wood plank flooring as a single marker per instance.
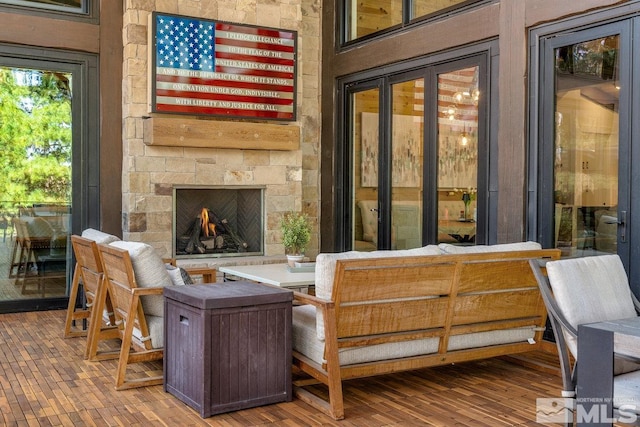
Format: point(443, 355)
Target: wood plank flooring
point(44, 381)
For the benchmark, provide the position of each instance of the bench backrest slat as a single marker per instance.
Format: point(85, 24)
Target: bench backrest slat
point(414, 294)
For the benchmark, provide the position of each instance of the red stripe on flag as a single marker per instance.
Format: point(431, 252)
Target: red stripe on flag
point(249, 44)
point(224, 97)
point(253, 30)
point(223, 111)
point(253, 58)
point(252, 72)
point(223, 83)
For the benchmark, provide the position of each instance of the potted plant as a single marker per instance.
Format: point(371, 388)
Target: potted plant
point(296, 233)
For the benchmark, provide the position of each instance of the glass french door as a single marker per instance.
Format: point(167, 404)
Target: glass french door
point(49, 171)
point(415, 139)
point(364, 176)
point(458, 95)
point(387, 169)
point(35, 183)
point(589, 176)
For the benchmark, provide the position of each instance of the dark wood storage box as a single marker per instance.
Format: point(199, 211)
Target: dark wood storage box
point(227, 345)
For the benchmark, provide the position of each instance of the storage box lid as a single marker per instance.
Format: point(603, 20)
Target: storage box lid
point(227, 294)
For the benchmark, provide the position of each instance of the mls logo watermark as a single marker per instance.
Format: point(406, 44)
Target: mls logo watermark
point(562, 410)
point(554, 410)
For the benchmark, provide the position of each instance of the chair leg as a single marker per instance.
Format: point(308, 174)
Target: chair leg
point(127, 357)
point(73, 313)
point(13, 264)
point(98, 331)
point(24, 268)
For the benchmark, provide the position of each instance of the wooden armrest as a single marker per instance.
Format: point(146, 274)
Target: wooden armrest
point(148, 291)
point(310, 299)
point(208, 274)
point(200, 270)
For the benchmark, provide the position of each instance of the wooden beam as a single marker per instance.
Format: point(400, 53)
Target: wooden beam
point(46, 32)
point(190, 132)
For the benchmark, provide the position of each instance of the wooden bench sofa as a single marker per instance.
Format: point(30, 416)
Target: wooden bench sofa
point(389, 311)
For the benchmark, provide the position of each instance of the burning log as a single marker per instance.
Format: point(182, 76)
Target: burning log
point(209, 234)
point(208, 227)
point(194, 244)
point(242, 245)
point(225, 228)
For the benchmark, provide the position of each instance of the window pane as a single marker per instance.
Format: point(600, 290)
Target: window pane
point(458, 97)
point(586, 147)
point(78, 6)
point(422, 8)
point(369, 16)
point(365, 174)
point(35, 182)
point(407, 127)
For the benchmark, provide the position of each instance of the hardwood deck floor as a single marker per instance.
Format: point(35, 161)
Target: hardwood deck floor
point(44, 381)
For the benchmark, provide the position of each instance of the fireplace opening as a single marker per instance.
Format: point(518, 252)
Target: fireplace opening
point(218, 221)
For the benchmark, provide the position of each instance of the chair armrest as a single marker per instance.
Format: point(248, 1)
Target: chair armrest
point(208, 274)
point(547, 296)
point(301, 298)
point(148, 291)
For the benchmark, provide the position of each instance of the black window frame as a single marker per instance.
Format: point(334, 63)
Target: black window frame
point(407, 21)
point(85, 172)
point(382, 78)
point(89, 13)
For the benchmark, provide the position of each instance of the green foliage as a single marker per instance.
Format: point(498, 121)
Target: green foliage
point(35, 137)
point(296, 232)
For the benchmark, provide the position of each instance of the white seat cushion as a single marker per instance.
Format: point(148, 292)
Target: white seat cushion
point(156, 331)
point(489, 338)
point(305, 340)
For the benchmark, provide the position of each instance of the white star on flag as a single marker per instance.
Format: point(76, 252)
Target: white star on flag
point(184, 43)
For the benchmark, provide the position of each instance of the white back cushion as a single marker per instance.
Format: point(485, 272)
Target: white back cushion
point(326, 269)
point(326, 264)
point(519, 246)
point(590, 289)
point(99, 236)
point(150, 272)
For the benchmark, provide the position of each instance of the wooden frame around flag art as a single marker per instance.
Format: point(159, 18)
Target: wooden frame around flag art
point(214, 68)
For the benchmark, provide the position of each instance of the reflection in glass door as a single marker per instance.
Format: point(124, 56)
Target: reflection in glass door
point(407, 130)
point(587, 95)
point(365, 137)
point(458, 97)
point(35, 182)
point(387, 207)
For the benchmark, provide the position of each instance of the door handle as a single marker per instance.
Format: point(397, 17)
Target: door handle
point(622, 225)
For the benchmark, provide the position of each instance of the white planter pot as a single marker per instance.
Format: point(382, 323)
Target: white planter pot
point(292, 259)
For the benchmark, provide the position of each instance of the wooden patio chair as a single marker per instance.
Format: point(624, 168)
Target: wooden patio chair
point(98, 308)
point(89, 260)
point(141, 333)
point(38, 246)
point(585, 290)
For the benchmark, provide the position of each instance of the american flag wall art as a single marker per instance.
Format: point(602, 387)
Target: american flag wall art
point(204, 67)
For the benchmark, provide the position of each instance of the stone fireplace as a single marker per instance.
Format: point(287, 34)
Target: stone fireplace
point(219, 221)
point(163, 152)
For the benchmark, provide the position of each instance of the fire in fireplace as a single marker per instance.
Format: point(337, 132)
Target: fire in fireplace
point(218, 221)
